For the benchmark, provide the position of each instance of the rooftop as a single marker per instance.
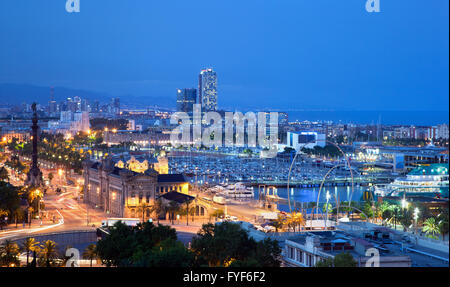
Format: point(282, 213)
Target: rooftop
point(336, 242)
point(172, 178)
point(177, 197)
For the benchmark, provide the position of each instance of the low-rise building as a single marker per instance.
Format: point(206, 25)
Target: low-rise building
point(308, 249)
point(70, 122)
point(443, 131)
point(7, 135)
point(143, 139)
point(121, 192)
point(305, 139)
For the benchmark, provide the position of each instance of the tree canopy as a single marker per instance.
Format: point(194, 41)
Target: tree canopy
point(148, 245)
point(144, 245)
point(227, 244)
point(343, 259)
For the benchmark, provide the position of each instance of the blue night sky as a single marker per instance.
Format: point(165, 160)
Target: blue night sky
point(296, 54)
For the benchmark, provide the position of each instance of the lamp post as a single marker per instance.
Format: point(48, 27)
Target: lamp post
point(29, 216)
point(395, 218)
point(404, 207)
point(38, 195)
point(60, 173)
point(416, 216)
point(404, 203)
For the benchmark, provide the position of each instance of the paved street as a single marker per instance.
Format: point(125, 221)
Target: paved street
point(63, 211)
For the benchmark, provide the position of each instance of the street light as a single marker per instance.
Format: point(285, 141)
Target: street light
point(416, 216)
point(328, 196)
point(404, 203)
point(60, 173)
point(37, 193)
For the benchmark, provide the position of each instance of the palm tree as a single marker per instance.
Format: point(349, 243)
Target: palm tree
point(9, 254)
point(157, 208)
point(4, 174)
point(90, 252)
point(278, 223)
point(297, 220)
point(431, 227)
point(50, 177)
point(48, 252)
point(443, 222)
point(188, 210)
point(172, 209)
point(406, 218)
point(300, 219)
point(289, 221)
point(29, 245)
point(142, 208)
point(217, 213)
point(378, 211)
point(385, 212)
point(3, 214)
point(327, 206)
point(18, 215)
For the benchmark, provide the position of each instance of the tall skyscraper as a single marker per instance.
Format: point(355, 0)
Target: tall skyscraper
point(95, 107)
point(71, 105)
point(116, 102)
point(207, 90)
point(84, 105)
point(115, 105)
point(186, 98)
point(52, 105)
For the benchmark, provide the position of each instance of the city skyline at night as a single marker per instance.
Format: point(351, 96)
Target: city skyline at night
point(218, 142)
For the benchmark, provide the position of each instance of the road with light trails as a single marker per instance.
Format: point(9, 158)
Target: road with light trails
point(65, 211)
point(70, 213)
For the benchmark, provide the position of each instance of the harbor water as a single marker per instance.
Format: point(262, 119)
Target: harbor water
point(306, 195)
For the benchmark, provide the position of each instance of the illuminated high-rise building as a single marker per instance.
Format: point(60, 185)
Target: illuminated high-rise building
point(115, 106)
point(52, 105)
point(186, 98)
point(207, 90)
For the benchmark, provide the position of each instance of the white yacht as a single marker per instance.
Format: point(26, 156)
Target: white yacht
point(428, 180)
point(238, 190)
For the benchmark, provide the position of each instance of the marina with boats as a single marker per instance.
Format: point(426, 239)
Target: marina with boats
point(246, 178)
point(306, 172)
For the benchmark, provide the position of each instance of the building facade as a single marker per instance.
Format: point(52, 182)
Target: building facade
point(305, 139)
point(122, 192)
point(21, 135)
point(143, 139)
point(308, 249)
point(70, 122)
point(207, 90)
point(186, 99)
point(443, 131)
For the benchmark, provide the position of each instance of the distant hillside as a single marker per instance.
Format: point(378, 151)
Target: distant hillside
point(142, 101)
point(15, 94)
point(24, 93)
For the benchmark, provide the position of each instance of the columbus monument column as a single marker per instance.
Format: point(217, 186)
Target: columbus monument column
point(34, 176)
